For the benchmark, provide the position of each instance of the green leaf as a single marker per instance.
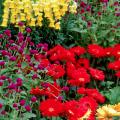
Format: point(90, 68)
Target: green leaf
point(28, 115)
point(115, 95)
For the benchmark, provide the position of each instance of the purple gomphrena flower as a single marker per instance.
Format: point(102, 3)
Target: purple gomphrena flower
point(3, 77)
point(20, 34)
point(19, 82)
point(44, 84)
point(9, 80)
point(89, 24)
point(45, 48)
point(39, 45)
point(99, 13)
point(1, 83)
point(7, 33)
point(116, 3)
point(66, 89)
point(1, 36)
point(82, 4)
point(15, 105)
point(35, 76)
point(5, 53)
point(2, 63)
point(32, 44)
point(60, 98)
point(33, 99)
point(57, 62)
point(22, 102)
point(20, 50)
point(28, 30)
point(20, 39)
point(12, 58)
point(19, 65)
point(12, 86)
point(88, 8)
point(11, 41)
point(28, 108)
point(33, 51)
point(1, 105)
point(28, 39)
point(20, 24)
point(3, 112)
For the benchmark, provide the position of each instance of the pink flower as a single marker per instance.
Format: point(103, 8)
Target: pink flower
point(28, 108)
point(1, 105)
point(28, 30)
point(15, 105)
point(33, 99)
point(22, 102)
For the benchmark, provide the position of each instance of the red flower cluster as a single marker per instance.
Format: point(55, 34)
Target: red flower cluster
point(72, 110)
point(94, 93)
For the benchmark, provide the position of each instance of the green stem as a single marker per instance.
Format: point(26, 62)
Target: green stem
point(117, 83)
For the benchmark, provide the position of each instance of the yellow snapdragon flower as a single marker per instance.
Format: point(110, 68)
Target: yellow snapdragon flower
point(30, 11)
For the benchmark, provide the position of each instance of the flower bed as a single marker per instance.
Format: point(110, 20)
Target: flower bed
point(45, 77)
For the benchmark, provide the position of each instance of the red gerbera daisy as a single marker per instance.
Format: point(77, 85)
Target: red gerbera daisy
point(70, 67)
point(117, 74)
point(73, 110)
point(114, 65)
point(78, 50)
point(97, 74)
point(88, 102)
point(55, 71)
point(51, 107)
point(94, 93)
point(61, 54)
point(79, 77)
point(83, 62)
point(108, 51)
point(116, 51)
point(96, 50)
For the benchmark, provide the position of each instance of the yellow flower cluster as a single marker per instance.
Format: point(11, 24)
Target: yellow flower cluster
point(108, 111)
point(33, 13)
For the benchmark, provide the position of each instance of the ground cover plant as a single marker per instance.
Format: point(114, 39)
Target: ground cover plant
point(60, 61)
